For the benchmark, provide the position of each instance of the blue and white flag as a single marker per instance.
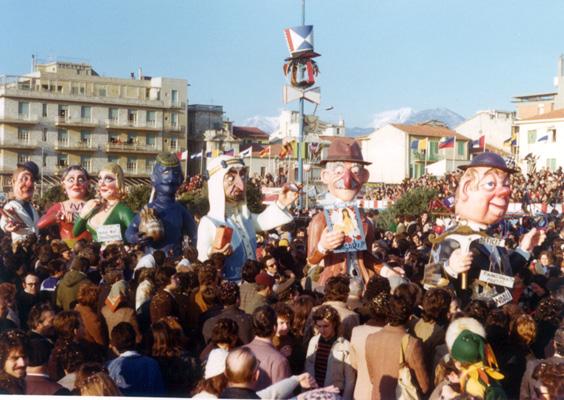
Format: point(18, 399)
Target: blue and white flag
point(197, 155)
point(247, 152)
point(543, 138)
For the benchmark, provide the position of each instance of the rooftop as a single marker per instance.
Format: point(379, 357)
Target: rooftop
point(246, 132)
point(556, 114)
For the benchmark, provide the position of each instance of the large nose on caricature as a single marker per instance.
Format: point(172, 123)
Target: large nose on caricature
point(503, 191)
point(238, 182)
point(348, 180)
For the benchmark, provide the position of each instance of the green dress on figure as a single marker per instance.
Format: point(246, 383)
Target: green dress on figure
point(120, 215)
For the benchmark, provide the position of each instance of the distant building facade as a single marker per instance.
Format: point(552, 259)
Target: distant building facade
point(394, 153)
point(495, 125)
point(541, 141)
point(65, 113)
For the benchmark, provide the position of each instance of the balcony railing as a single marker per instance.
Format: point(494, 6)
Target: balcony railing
point(141, 171)
point(21, 119)
point(77, 146)
point(80, 122)
point(132, 148)
point(174, 127)
point(133, 125)
point(18, 145)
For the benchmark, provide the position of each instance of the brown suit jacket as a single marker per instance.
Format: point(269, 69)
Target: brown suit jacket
point(382, 359)
point(335, 263)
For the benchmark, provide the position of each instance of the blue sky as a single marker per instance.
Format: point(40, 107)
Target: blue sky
point(377, 55)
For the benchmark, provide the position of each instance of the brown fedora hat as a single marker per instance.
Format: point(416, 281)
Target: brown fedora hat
point(344, 150)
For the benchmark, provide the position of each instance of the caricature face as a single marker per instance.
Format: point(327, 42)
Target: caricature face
point(485, 198)
point(344, 179)
point(166, 180)
point(234, 183)
point(24, 185)
point(108, 185)
point(75, 184)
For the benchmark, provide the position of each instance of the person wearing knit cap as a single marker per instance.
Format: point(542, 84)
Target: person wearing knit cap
point(226, 193)
point(174, 219)
point(19, 218)
point(474, 358)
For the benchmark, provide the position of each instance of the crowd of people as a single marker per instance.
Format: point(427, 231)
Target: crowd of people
point(544, 186)
point(113, 321)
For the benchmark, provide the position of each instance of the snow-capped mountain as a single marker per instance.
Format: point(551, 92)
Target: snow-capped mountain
point(266, 124)
point(449, 117)
point(407, 115)
point(403, 115)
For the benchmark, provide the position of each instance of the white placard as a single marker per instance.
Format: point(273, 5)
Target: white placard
point(502, 298)
point(496, 279)
point(109, 233)
point(492, 241)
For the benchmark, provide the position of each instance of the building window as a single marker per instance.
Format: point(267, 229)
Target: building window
point(174, 120)
point(62, 160)
point(44, 160)
point(85, 138)
point(102, 92)
point(131, 164)
point(62, 136)
point(174, 96)
point(173, 143)
point(44, 110)
point(434, 148)
point(85, 113)
point(131, 116)
point(23, 109)
point(86, 163)
point(63, 110)
point(113, 159)
point(22, 158)
point(532, 136)
point(151, 141)
point(150, 165)
point(551, 164)
point(23, 135)
point(113, 114)
point(552, 135)
point(460, 147)
point(44, 135)
point(151, 118)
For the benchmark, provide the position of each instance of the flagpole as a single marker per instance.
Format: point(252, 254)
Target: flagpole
point(454, 154)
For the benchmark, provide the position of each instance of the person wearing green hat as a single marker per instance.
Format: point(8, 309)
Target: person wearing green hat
point(473, 357)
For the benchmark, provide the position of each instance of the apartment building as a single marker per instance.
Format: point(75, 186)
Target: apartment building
point(65, 113)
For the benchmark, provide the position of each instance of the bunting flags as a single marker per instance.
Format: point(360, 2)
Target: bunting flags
point(196, 155)
point(422, 145)
point(512, 141)
point(265, 152)
point(182, 155)
point(446, 142)
point(247, 152)
point(229, 152)
point(543, 138)
point(414, 144)
point(478, 144)
point(287, 149)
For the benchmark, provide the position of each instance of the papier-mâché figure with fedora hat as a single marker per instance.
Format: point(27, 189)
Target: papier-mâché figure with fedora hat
point(481, 200)
point(228, 210)
point(19, 218)
point(344, 173)
point(164, 222)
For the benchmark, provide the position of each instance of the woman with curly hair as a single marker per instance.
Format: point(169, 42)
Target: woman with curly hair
point(328, 354)
point(87, 304)
point(93, 380)
point(548, 316)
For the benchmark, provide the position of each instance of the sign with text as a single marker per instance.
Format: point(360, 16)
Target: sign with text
point(502, 298)
point(109, 233)
point(496, 279)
